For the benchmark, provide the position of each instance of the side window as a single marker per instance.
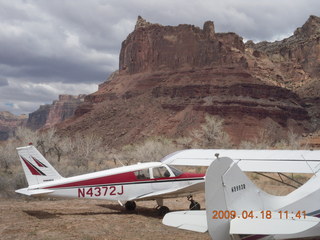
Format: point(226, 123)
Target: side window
point(175, 171)
point(160, 172)
point(142, 174)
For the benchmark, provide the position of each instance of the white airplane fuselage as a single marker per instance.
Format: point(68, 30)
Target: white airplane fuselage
point(121, 184)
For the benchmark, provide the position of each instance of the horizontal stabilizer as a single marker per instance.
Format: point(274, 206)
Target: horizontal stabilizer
point(188, 220)
point(289, 224)
point(33, 192)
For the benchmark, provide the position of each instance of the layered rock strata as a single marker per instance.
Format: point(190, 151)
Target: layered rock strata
point(169, 77)
point(51, 114)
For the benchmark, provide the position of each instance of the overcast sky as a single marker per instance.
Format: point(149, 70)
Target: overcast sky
point(57, 47)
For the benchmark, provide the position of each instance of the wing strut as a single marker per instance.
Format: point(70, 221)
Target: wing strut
point(282, 180)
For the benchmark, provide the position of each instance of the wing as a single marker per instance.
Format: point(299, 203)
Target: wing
point(293, 161)
point(282, 228)
point(275, 225)
point(189, 220)
point(172, 192)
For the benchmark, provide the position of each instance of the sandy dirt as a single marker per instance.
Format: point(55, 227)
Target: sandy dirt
point(45, 219)
point(87, 220)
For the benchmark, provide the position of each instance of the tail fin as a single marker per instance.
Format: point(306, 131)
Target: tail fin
point(36, 168)
point(227, 188)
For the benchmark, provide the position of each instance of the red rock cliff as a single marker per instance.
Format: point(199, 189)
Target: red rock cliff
point(171, 76)
point(152, 47)
point(51, 114)
point(8, 124)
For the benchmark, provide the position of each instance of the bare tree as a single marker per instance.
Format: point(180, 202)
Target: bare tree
point(25, 136)
point(211, 134)
point(152, 149)
point(82, 148)
point(294, 140)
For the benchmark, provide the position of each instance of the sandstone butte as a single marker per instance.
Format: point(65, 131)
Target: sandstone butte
point(170, 77)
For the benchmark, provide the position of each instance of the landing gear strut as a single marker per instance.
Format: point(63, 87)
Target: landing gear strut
point(193, 204)
point(130, 205)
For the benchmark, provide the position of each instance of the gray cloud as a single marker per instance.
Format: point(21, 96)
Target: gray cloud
point(3, 82)
point(51, 47)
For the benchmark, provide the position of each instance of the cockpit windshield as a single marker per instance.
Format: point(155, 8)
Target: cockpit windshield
point(175, 171)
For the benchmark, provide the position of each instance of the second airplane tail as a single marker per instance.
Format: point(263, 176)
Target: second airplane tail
point(236, 206)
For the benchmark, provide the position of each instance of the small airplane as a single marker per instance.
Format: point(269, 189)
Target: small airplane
point(237, 209)
point(127, 184)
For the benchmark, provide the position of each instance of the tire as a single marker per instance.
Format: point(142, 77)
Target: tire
point(194, 205)
point(130, 205)
point(163, 210)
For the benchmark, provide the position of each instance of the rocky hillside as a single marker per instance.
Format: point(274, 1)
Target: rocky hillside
point(50, 114)
point(9, 122)
point(293, 63)
point(169, 77)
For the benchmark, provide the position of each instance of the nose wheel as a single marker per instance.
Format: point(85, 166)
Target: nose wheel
point(193, 204)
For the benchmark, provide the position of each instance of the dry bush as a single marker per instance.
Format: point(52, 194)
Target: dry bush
point(294, 140)
point(81, 149)
point(11, 172)
point(8, 156)
point(152, 149)
point(46, 141)
point(211, 134)
point(83, 154)
point(25, 136)
point(266, 140)
point(247, 145)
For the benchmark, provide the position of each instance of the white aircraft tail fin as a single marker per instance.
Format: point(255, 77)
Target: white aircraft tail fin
point(236, 208)
point(36, 168)
point(229, 189)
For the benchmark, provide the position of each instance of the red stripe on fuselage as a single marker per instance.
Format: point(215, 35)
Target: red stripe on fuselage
point(121, 178)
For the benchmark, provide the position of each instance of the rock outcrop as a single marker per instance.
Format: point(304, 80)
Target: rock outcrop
point(9, 122)
point(51, 114)
point(169, 77)
point(293, 63)
point(152, 47)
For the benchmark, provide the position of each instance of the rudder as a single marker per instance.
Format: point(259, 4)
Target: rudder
point(228, 189)
point(36, 168)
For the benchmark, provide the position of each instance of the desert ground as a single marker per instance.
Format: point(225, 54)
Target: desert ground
point(50, 219)
point(47, 219)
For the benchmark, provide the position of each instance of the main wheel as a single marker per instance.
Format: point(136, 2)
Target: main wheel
point(163, 210)
point(130, 205)
point(194, 205)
